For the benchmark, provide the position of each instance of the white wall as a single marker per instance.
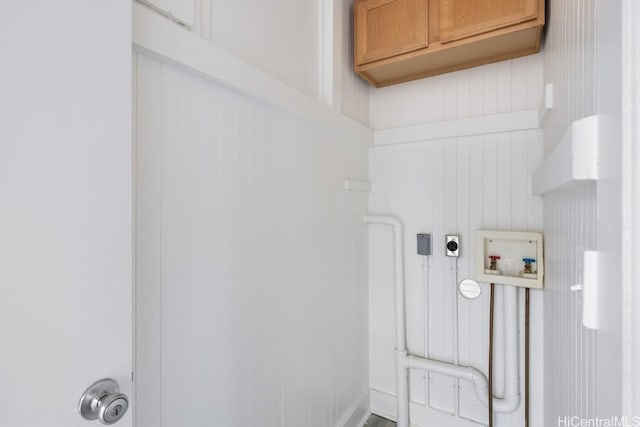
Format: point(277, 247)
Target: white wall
point(570, 349)
point(583, 374)
point(251, 261)
point(306, 44)
point(570, 216)
point(453, 185)
point(352, 90)
point(280, 36)
point(631, 206)
point(609, 207)
point(570, 65)
point(502, 87)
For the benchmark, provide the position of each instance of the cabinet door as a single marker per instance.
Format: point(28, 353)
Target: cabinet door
point(385, 28)
point(465, 18)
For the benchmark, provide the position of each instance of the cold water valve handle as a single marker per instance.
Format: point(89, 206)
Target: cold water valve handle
point(527, 265)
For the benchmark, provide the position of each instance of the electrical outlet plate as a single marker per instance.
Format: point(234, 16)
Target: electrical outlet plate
point(452, 247)
point(511, 247)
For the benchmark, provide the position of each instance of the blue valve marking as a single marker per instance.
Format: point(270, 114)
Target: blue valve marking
point(528, 260)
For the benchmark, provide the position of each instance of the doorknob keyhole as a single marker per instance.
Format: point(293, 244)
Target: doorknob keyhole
point(102, 400)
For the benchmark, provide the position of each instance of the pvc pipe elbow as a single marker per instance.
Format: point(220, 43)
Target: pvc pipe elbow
point(384, 219)
point(505, 405)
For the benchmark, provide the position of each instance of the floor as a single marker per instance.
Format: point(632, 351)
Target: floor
point(376, 421)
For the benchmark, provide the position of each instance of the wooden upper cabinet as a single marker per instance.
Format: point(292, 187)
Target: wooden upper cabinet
point(400, 40)
point(389, 27)
point(465, 18)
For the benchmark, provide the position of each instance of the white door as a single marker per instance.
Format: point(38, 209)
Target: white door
point(65, 206)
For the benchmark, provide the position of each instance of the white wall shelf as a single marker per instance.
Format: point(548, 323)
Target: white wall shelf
point(573, 162)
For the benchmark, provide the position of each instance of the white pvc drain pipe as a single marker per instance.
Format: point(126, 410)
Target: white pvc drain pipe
point(405, 361)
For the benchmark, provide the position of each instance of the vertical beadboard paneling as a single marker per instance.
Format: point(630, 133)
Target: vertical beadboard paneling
point(569, 64)
point(251, 262)
point(511, 85)
point(460, 185)
point(569, 348)
point(457, 185)
point(569, 216)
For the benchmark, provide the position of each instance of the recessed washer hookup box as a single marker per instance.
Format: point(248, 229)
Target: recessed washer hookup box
point(510, 258)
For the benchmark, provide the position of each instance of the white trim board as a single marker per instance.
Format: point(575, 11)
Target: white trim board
point(480, 125)
point(631, 206)
point(357, 414)
point(356, 185)
point(384, 404)
point(158, 37)
point(185, 18)
point(573, 161)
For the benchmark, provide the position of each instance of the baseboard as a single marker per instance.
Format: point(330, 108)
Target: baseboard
point(357, 414)
point(364, 419)
point(384, 404)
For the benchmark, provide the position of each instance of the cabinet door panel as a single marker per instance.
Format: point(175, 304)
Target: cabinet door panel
point(465, 18)
point(389, 27)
